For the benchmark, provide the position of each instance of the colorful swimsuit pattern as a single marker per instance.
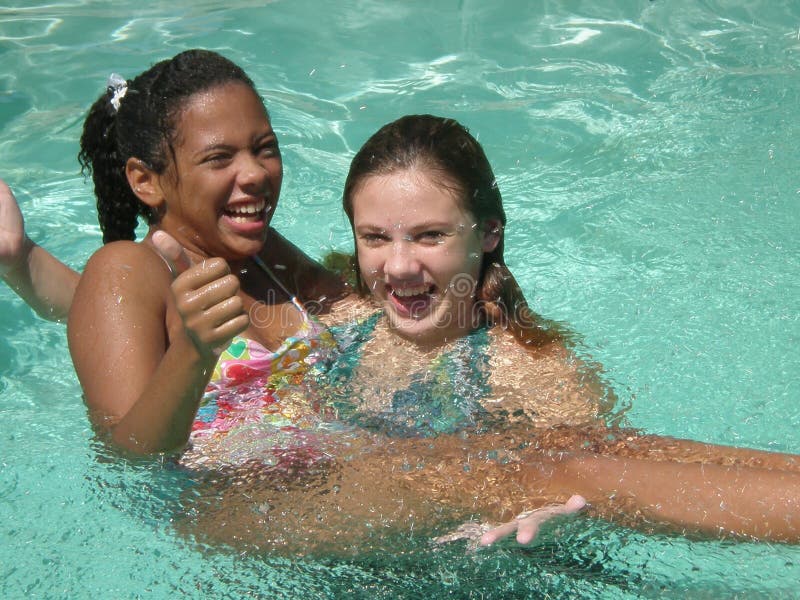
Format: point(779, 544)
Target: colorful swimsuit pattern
point(247, 380)
point(256, 405)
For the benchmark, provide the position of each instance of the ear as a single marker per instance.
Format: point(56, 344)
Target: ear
point(145, 183)
point(492, 234)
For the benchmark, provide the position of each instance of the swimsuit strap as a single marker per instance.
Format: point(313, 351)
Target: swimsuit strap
point(263, 266)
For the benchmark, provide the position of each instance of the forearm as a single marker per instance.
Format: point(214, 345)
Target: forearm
point(666, 448)
point(703, 498)
point(631, 443)
point(161, 418)
point(44, 282)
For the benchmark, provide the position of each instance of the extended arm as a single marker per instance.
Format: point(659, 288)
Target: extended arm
point(344, 501)
point(40, 279)
point(702, 498)
point(624, 473)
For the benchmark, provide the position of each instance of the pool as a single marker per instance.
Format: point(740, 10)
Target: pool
point(646, 151)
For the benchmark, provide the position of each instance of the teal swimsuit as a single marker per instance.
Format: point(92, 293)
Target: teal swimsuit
point(443, 399)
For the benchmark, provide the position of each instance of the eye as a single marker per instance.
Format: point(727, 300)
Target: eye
point(218, 159)
point(373, 238)
point(268, 149)
point(434, 236)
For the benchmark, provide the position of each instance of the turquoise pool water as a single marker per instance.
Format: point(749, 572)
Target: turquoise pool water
point(647, 155)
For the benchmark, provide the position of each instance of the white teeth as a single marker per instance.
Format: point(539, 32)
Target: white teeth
point(411, 291)
point(248, 209)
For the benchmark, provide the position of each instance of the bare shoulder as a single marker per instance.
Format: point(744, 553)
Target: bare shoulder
point(547, 385)
point(127, 261)
point(121, 273)
point(117, 326)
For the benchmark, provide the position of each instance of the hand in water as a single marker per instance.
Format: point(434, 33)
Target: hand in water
point(12, 230)
point(527, 524)
point(206, 295)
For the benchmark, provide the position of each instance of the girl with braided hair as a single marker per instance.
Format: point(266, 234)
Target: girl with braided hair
point(188, 146)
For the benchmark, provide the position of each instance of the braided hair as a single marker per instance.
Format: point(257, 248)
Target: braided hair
point(446, 147)
point(142, 125)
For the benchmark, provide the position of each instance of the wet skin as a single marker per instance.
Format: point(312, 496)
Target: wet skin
point(220, 192)
point(419, 254)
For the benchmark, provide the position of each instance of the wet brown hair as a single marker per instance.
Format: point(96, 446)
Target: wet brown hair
point(445, 147)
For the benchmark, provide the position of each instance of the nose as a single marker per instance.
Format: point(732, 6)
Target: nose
point(254, 174)
point(402, 262)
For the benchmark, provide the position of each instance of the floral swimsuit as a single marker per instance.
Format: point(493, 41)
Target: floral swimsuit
point(255, 406)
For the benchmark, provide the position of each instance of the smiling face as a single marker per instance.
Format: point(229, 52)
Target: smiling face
point(419, 253)
point(218, 195)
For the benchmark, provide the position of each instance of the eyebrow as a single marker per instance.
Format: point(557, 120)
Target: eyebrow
point(369, 227)
point(415, 229)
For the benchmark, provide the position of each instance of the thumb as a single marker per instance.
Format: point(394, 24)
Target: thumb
point(171, 251)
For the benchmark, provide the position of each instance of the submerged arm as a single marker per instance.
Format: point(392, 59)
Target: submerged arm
point(40, 279)
point(702, 498)
point(633, 478)
point(426, 486)
point(500, 475)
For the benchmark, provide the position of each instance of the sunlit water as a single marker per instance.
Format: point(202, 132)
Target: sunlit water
point(647, 153)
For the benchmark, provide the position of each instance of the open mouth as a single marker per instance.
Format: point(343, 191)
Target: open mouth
point(248, 212)
point(412, 301)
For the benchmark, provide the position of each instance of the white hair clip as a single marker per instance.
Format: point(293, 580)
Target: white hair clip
point(118, 85)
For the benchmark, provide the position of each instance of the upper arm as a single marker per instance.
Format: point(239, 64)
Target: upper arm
point(116, 327)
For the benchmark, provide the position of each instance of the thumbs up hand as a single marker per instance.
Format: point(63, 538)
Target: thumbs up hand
point(206, 296)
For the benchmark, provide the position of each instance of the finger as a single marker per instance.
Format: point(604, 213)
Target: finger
point(227, 331)
point(210, 274)
point(217, 342)
point(171, 251)
point(498, 533)
point(190, 301)
point(574, 504)
point(10, 215)
point(5, 191)
point(214, 329)
point(214, 317)
point(529, 526)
